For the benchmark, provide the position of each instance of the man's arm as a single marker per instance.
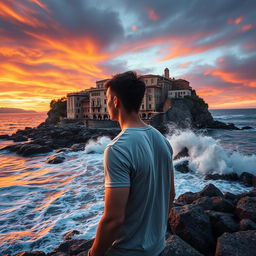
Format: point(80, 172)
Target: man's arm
point(172, 194)
point(113, 217)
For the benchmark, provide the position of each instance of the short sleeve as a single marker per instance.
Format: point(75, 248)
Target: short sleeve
point(117, 168)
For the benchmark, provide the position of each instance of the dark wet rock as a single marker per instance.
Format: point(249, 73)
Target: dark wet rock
point(31, 253)
point(183, 167)
point(222, 222)
point(193, 225)
point(29, 149)
point(246, 208)
point(70, 234)
point(246, 128)
point(55, 159)
point(242, 243)
point(175, 246)
point(235, 198)
point(231, 177)
point(248, 179)
point(19, 138)
point(187, 198)
point(72, 247)
point(247, 224)
point(220, 125)
point(77, 147)
point(5, 137)
point(210, 190)
point(215, 203)
point(181, 154)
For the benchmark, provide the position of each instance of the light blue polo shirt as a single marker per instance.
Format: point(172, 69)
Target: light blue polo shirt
point(140, 158)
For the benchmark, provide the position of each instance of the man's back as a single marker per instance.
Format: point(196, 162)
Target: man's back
point(140, 158)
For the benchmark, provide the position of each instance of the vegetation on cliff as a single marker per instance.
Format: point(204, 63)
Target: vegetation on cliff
point(58, 110)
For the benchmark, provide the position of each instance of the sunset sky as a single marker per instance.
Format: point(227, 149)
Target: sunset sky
point(51, 47)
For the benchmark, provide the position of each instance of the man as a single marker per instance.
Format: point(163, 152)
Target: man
point(139, 183)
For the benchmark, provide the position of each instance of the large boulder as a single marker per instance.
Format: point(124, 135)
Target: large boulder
point(210, 190)
point(72, 247)
point(242, 243)
point(175, 246)
point(193, 226)
point(29, 149)
point(222, 222)
point(215, 203)
point(246, 208)
point(182, 167)
point(55, 159)
point(247, 224)
point(248, 179)
point(187, 198)
point(181, 154)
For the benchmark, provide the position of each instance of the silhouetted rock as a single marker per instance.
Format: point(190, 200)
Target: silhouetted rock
point(182, 167)
point(247, 224)
point(175, 246)
point(193, 226)
point(29, 149)
point(181, 154)
point(246, 208)
point(5, 137)
point(55, 159)
point(242, 243)
point(19, 138)
point(248, 179)
point(246, 128)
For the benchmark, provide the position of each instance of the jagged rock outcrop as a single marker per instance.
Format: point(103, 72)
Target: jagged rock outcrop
point(189, 112)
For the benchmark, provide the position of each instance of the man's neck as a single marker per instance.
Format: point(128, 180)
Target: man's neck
point(130, 120)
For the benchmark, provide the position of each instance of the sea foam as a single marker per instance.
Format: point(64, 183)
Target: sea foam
point(208, 156)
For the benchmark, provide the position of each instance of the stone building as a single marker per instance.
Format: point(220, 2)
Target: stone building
point(91, 104)
point(74, 104)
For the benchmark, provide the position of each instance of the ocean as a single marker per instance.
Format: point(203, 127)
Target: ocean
point(40, 202)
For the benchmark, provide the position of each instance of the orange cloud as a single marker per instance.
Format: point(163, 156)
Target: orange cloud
point(231, 77)
point(208, 91)
point(134, 28)
point(246, 28)
point(237, 20)
point(185, 64)
point(152, 14)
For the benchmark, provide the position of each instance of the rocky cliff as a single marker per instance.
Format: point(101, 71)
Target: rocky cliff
point(189, 112)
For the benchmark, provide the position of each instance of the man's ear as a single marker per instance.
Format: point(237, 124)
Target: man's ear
point(116, 101)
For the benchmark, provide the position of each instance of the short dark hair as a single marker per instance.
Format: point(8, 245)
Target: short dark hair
point(129, 88)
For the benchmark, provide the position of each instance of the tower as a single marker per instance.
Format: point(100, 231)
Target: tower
point(166, 73)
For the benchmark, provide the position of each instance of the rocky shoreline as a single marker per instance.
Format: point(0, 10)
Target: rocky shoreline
point(204, 223)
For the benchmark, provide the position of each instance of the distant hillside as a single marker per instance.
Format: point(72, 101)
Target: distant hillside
point(16, 110)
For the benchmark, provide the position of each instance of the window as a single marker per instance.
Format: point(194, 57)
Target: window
point(105, 101)
point(149, 106)
point(152, 81)
point(149, 97)
point(142, 106)
point(105, 109)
